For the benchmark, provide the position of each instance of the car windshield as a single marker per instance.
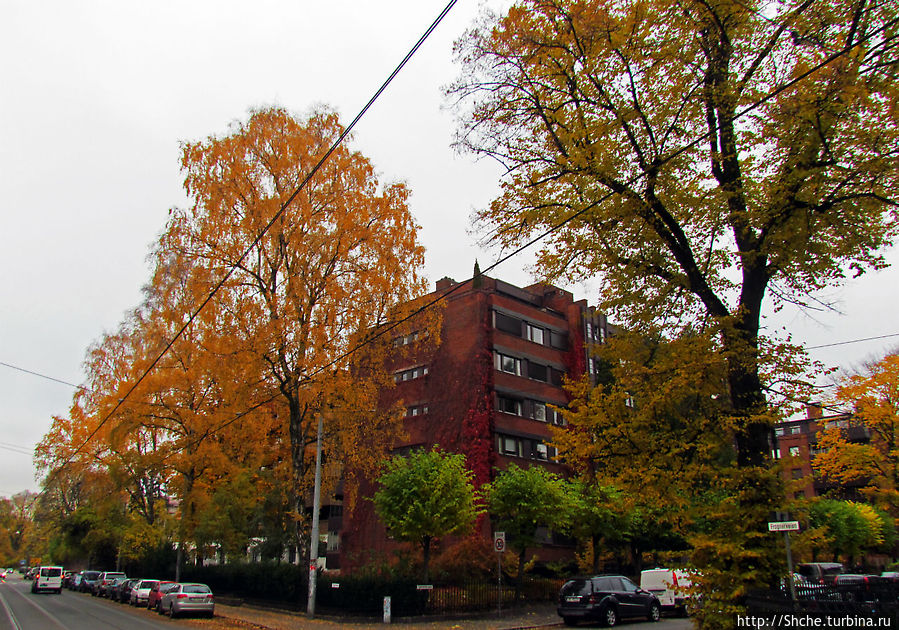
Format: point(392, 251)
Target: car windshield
point(91, 575)
point(148, 584)
point(576, 587)
point(195, 588)
point(54, 572)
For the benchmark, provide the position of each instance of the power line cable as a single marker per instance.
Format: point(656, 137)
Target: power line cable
point(845, 343)
point(16, 449)
point(44, 376)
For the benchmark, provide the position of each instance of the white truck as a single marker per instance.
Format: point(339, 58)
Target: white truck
point(47, 579)
point(671, 587)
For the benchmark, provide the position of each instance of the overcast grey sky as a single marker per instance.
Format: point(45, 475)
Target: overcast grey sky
point(95, 97)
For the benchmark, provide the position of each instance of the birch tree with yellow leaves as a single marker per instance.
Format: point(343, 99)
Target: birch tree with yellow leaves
point(310, 277)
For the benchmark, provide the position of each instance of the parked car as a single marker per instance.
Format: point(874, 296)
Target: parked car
point(156, 594)
point(187, 598)
point(121, 590)
point(105, 581)
point(140, 592)
point(671, 587)
point(607, 599)
point(47, 579)
point(820, 572)
point(88, 580)
point(858, 587)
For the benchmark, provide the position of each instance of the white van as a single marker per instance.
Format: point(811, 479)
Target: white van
point(47, 579)
point(670, 586)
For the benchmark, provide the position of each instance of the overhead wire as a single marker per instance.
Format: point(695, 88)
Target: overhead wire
point(458, 286)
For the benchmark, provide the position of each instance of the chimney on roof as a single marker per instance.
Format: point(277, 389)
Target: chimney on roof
point(813, 411)
point(445, 283)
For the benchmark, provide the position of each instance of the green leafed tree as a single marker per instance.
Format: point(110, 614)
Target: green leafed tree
point(596, 515)
point(427, 495)
point(845, 530)
point(521, 500)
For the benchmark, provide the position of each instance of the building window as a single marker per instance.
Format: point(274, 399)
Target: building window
point(534, 333)
point(333, 541)
point(509, 405)
point(510, 365)
point(539, 411)
point(410, 374)
point(556, 417)
point(794, 451)
point(416, 410)
point(558, 340)
point(509, 445)
point(538, 372)
point(507, 324)
point(797, 473)
point(778, 431)
point(542, 452)
point(405, 340)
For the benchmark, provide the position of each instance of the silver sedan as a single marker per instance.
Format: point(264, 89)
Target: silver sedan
point(187, 598)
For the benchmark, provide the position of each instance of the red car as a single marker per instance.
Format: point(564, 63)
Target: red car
point(156, 594)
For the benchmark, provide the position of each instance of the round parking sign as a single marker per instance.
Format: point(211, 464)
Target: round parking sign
point(499, 542)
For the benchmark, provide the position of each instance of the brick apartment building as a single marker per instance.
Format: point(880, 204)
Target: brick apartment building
point(798, 440)
point(488, 390)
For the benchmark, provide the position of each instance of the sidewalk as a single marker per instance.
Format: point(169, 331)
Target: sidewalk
point(536, 616)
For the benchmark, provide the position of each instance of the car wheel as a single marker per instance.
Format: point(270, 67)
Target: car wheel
point(171, 612)
point(655, 612)
point(610, 616)
point(569, 621)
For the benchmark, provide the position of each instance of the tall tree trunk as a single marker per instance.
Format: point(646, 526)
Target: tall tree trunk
point(518, 581)
point(297, 453)
point(426, 554)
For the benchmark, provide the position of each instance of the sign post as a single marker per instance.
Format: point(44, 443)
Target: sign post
point(786, 527)
point(499, 546)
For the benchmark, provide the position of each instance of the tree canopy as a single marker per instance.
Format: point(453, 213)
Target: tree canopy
point(259, 295)
point(871, 465)
point(703, 159)
point(427, 495)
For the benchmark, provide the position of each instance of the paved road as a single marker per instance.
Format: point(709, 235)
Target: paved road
point(20, 609)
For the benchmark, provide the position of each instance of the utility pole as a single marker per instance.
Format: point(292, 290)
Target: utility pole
point(316, 508)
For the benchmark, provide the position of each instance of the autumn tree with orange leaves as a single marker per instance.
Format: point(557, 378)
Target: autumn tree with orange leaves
point(872, 466)
point(309, 278)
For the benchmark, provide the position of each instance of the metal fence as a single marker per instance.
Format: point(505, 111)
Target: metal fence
point(842, 605)
point(365, 597)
